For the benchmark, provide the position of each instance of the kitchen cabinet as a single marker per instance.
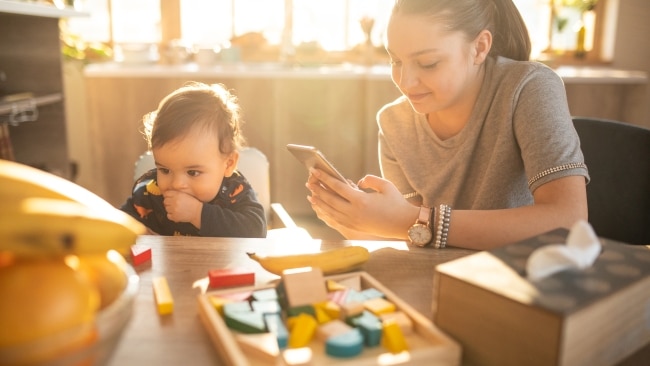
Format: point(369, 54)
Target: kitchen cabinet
point(31, 93)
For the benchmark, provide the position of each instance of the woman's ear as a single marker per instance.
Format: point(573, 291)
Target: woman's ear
point(482, 46)
point(231, 163)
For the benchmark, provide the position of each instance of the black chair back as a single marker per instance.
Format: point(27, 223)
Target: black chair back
point(617, 155)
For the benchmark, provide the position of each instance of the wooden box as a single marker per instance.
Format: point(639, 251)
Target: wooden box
point(427, 344)
point(597, 316)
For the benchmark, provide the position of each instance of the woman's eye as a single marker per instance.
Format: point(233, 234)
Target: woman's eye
point(193, 173)
point(429, 65)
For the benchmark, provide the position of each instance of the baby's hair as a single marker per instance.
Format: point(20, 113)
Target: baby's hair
point(501, 17)
point(210, 107)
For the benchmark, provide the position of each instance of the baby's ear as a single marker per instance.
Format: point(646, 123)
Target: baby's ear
point(231, 163)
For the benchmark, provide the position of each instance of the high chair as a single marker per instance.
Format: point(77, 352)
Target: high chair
point(254, 165)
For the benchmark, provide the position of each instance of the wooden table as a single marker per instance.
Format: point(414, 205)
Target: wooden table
point(180, 338)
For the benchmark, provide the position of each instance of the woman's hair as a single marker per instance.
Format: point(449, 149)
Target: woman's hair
point(210, 107)
point(501, 17)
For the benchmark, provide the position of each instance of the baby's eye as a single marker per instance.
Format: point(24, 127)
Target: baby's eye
point(395, 62)
point(193, 173)
point(163, 171)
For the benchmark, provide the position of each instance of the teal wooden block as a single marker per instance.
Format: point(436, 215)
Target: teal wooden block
point(266, 306)
point(246, 322)
point(265, 294)
point(345, 345)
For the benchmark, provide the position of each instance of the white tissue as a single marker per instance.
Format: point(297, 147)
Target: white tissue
point(579, 252)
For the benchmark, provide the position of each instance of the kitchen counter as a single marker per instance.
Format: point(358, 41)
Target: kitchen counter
point(570, 74)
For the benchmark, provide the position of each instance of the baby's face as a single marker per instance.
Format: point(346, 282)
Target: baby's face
point(192, 164)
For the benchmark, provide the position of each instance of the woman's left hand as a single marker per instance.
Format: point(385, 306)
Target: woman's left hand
point(351, 211)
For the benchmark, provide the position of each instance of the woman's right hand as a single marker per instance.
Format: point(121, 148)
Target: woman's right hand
point(357, 214)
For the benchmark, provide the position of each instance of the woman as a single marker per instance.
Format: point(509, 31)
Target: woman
point(480, 149)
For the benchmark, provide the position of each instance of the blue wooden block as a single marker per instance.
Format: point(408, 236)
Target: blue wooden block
point(265, 294)
point(345, 345)
point(372, 293)
point(276, 326)
point(266, 306)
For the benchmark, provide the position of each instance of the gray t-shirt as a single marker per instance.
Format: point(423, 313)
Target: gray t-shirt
point(519, 136)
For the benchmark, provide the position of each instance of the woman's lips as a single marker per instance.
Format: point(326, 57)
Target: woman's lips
point(417, 97)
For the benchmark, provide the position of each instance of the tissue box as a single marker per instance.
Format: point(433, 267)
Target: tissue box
point(598, 316)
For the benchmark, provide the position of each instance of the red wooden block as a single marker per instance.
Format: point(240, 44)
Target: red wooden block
point(227, 277)
point(140, 254)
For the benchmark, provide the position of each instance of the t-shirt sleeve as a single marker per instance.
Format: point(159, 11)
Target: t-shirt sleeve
point(550, 146)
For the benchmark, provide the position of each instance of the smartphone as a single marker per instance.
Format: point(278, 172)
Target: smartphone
point(311, 157)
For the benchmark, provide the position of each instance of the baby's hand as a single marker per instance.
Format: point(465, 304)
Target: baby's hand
point(182, 207)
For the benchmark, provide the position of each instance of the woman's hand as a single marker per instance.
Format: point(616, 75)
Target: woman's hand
point(357, 214)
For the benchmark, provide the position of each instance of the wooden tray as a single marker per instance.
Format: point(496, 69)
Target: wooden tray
point(427, 344)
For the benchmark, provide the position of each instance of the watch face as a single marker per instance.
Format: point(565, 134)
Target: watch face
point(420, 234)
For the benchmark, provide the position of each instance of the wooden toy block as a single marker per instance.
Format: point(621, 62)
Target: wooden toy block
point(245, 322)
point(262, 346)
point(275, 326)
point(332, 309)
point(296, 310)
point(348, 344)
point(237, 307)
point(297, 356)
point(352, 309)
point(332, 328)
point(372, 293)
point(338, 296)
point(163, 296)
point(379, 306)
point(370, 327)
point(304, 286)
point(354, 296)
point(218, 302)
point(228, 277)
point(302, 330)
point(140, 254)
point(266, 306)
point(352, 283)
point(392, 338)
point(333, 286)
point(321, 315)
point(265, 294)
point(404, 321)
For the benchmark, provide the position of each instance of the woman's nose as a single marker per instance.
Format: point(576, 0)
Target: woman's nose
point(406, 77)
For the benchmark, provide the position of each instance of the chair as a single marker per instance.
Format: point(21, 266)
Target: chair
point(254, 165)
point(618, 158)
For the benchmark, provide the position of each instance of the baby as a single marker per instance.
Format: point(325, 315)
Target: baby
point(195, 189)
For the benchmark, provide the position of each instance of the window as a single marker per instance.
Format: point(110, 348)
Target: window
point(334, 25)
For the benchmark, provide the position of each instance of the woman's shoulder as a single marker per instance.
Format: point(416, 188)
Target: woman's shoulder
point(505, 68)
point(398, 107)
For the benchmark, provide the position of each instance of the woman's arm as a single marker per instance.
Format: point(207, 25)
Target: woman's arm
point(559, 203)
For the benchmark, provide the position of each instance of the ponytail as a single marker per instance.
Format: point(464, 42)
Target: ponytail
point(510, 38)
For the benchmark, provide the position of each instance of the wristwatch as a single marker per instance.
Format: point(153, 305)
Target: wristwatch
point(420, 233)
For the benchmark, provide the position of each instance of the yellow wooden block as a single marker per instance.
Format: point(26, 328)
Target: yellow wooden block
point(163, 296)
point(302, 330)
point(392, 338)
point(218, 303)
point(379, 306)
point(405, 323)
point(321, 315)
point(332, 309)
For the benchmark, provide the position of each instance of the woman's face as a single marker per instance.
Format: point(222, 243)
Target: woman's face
point(193, 164)
point(435, 69)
